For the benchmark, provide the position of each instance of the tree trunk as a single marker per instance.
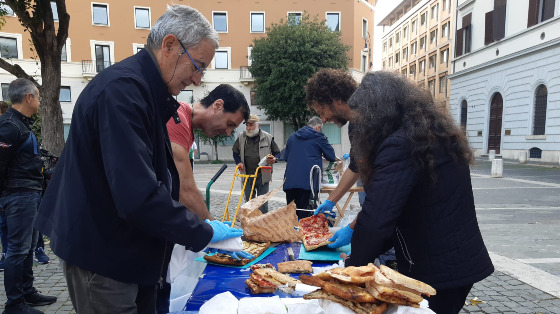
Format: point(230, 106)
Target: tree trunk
point(51, 113)
point(216, 148)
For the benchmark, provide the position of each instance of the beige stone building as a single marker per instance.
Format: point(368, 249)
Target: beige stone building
point(107, 31)
point(417, 42)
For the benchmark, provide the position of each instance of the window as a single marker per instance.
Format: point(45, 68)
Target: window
point(332, 132)
point(66, 131)
point(54, 10)
point(539, 117)
point(8, 47)
point(405, 32)
point(413, 47)
point(390, 42)
point(435, 11)
point(65, 95)
point(495, 22)
point(444, 5)
point(414, 26)
point(403, 72)
point(5, 91)
point(432, 61)
point(6, 8)
point(423, 19)
point(540, 11)
point(257, 22)
point(364, 62)
point(445, 30)
point(464, 116)
point(535, 152)
point(397, 58)
point(333, 21)
point(405, 54)
point(63, 55)
point(443, 85)
point(384, 64)
point(423, 43)
point(444, 56)
point(100, 14)
point(294, 18)
point(463, 37)
point(186, 96)
point(102, 57)
point(412, 71)
point(364, 28)
point(390, 62)
point(397, 37)
point(432, 86)
point(142, 17)
point(254, 97)
point(136, 48)
point(422, 66)
point(433, 37)
point(221, 59)
point(220, 21)
point(385, 47)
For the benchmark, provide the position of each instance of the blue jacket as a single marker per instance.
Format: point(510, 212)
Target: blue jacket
point(305, 149)
point(109, 208)
point(432, 226)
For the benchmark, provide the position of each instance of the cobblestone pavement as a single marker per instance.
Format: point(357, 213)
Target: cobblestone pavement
point(499, 293)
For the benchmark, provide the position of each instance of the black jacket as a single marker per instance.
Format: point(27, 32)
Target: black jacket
point(108, 208)
point(433, 227)
point(20, 156)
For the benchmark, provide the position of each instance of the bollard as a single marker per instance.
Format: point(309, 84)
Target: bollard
point(491, 155)
point(497, 168)
point(523, 157)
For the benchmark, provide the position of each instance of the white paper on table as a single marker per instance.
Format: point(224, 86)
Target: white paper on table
point(223, 303)
point(232, 244)
point(317, 270)
point(331, 307)
point(301, 306)
point(259, 305)
point(301, 289)
point(402, 309)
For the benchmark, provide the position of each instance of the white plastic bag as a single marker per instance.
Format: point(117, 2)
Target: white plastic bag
point(331, 173)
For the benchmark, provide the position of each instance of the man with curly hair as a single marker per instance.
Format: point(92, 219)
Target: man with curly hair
point(414, 162)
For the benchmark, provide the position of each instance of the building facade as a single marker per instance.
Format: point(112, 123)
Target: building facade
point(505, 86)
point(417, 42)
point(104, 32)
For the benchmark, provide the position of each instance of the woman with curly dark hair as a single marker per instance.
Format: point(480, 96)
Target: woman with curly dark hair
point(414, 162)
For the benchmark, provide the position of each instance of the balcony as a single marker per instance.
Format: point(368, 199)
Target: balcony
point(90, 68)
point(245, 75)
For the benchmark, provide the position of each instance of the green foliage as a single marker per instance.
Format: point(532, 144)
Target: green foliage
point(283, 61)
point(219, 139)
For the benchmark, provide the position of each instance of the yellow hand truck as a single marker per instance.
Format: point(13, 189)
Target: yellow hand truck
point(239, 174)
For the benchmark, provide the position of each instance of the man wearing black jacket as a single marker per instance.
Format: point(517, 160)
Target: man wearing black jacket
point(21, 184)
point(111, 208)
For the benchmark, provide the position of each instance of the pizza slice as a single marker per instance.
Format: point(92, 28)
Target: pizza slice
point(315, 230)
point(254, 248)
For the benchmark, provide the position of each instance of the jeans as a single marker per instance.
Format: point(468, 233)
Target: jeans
point(260, 189)
point(20, 209)
point(92, 293)
point(3, 232)
point(301, 197)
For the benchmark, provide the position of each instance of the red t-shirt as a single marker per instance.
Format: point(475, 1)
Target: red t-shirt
point(182, 133)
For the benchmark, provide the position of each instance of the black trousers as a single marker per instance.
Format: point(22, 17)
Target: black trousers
point(301, 198)
point(449, 301)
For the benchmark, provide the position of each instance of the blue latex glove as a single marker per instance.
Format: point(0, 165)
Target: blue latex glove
point(223, 232)
point(341, 237)
point(236, 255)
point(327, 206)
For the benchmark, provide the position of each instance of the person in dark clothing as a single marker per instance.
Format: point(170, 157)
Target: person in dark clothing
point(111, 209)
point(414, 162)
point(21, 185)
point(304, 150)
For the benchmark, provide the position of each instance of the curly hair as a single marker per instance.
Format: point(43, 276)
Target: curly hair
point(328, 85)
point(386, 102)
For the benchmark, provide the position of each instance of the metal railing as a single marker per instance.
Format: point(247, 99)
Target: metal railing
point(94, 66)
point(245, 74)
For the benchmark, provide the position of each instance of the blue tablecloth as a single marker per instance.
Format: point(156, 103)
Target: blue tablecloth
point(217, 279)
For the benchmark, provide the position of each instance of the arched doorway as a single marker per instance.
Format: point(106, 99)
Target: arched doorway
point(495, 123)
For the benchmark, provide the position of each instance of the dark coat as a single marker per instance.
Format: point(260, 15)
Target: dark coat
point(433, 227)
point(108, 208)
point(304, 149)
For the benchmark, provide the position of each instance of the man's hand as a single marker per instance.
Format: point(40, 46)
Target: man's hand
point(235, 255)
point(240, 165)
point(223, 231)
point(270, 161)
point(326, 206)
point(341, 237)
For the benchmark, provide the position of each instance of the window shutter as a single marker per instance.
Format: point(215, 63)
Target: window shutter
point(533, 17)
point(547, 10)
point(459, 42)
point(488, 27)
point(499, 30)
point(467, 19)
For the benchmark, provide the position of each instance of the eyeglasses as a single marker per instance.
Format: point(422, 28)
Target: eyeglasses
point(199, 70)
point(35, 96)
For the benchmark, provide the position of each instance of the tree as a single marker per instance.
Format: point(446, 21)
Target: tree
point(219, 139)
point(286, 58)
point(36, 17)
